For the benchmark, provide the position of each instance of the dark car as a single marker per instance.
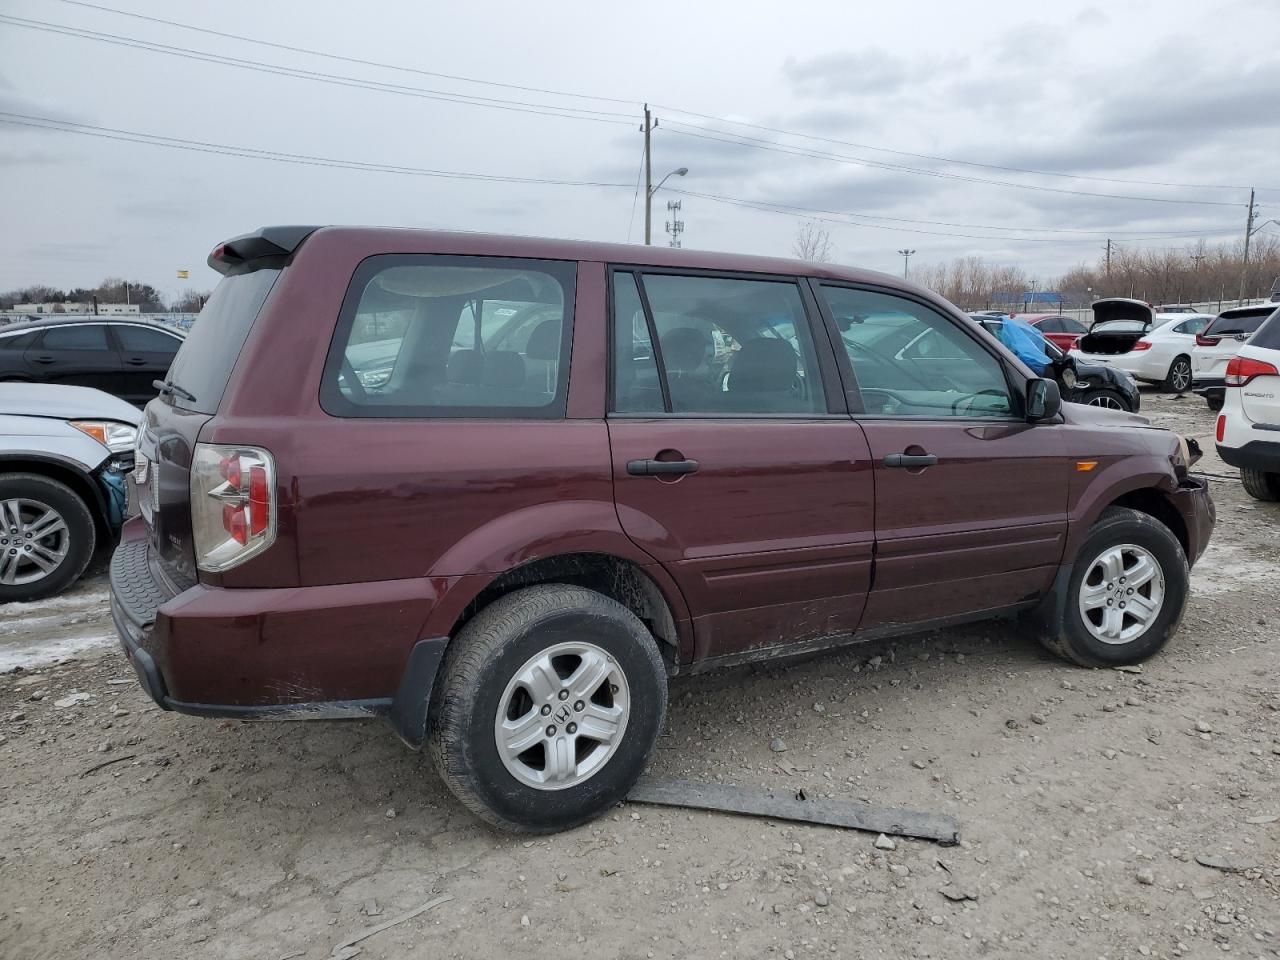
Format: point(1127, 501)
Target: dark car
point(430, 476)
point(1079, 381)
point(118, 356)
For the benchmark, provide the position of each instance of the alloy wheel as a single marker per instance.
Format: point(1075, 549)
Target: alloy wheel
point(1122, 593)
point(562, 716)
point(1180, 376)
point(34, 540)
point(1105, 400)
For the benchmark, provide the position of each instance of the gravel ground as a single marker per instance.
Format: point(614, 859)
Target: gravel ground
point(1089, 801)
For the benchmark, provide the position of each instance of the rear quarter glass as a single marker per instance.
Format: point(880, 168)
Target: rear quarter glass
point(204, 362)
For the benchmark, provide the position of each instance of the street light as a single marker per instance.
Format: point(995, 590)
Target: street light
point(906, 260)
point(648, 200)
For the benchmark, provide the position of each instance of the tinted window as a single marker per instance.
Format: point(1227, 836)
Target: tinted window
point(732, 347)
point(909, 360)
point(87, 336)
point(205, 359)
point(1228, 325)
point(1192, 326)
point(19, 342)
point(425, 336)
point(1268, 334)
point(1072, 326)
point(143, 340)
point(1051, 325)
point(635, 371)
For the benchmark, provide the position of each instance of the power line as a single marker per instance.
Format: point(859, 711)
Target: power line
point(346, 59)
point(940, 159)
point(552, 110)
point(758, 144)
point(848, 219)
point(253, 153)
point(679, 110)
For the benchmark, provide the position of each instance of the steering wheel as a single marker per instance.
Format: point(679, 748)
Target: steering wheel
point(989, 392)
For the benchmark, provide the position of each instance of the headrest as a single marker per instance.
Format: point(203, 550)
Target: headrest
point(503, 368)
point(766, 363)
point(684, 348)
point(465, 366)
point(544, 342)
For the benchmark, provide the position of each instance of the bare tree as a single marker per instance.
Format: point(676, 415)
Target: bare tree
point(813, 243)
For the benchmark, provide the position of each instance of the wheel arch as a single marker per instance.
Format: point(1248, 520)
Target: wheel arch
point(70, 475)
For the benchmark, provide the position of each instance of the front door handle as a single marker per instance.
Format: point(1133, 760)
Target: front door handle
point(136, 361)
point(912, 461)
point(661, 468)
point(44, 359)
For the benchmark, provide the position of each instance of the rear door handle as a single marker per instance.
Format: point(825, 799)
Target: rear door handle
point(135, 361)
point(661, 468)
point(910, 460)
point(44, 359)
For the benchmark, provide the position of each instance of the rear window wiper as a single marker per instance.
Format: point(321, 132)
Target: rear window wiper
point(168, 386)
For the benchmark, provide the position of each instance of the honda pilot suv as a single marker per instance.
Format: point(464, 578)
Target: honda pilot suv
point(499, 490)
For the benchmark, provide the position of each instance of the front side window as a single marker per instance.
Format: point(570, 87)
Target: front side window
point(910, 360)
point(727, 347)
point(89, 336)
point(434, 336)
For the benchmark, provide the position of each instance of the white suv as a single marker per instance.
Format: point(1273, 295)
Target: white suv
point(1218, 343)
point(1249, 425)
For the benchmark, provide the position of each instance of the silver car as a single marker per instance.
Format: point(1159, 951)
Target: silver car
point(65, 455)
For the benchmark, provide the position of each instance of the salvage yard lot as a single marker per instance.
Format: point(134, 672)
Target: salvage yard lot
point(1087, 800)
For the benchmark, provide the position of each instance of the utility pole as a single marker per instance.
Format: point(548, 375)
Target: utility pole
point(1248, 232)
point(1108, 262)
point(675, 226)
point(648, 176)
point(906, 261)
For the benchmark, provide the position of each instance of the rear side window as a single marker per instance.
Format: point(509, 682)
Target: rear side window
point(90, 336)
point(203, 364)
point(142, 340)
point(1227, 325)
point(437, 336)
point(1072, 326)
point(725, 347)
point(1268, 335)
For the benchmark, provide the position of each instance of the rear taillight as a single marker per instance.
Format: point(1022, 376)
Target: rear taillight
point(1140, 345)
point(1203, 341)
point(1240, 370)
point(1222, 426)
point(233, 504)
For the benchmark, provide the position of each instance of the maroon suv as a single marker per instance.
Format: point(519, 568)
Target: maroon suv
point(500, 489)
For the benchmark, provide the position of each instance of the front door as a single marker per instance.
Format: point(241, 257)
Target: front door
point(970, 498)
point(730, 468)
point(78, 353)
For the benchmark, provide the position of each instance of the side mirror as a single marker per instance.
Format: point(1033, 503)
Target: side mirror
point(1043, 399)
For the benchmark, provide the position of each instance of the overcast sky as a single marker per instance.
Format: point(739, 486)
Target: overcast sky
point(1175, 92)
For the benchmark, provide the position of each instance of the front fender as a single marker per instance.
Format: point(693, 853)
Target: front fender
point(1115, 479)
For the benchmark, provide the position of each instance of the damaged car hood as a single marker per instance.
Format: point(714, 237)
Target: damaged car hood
point(61, 402)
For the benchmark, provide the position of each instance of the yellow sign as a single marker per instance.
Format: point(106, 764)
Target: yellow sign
point(182, 274)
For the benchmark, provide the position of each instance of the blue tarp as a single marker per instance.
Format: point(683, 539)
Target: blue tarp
point(1026, 342)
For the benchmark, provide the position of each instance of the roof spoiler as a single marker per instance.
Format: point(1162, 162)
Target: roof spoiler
point(266, 242)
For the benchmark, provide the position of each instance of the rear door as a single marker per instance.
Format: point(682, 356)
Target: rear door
point(731, 467)
point(971, 500)
point(79, 354)
point(145, 355)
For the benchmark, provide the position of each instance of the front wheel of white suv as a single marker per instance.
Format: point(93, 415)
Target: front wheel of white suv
point(1261, 485)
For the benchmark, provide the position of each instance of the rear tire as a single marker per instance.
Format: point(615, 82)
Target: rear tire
point(42, 523)
point(506, 681)
point(1149, 574)
point(1261, 485)
point(1214, 402)
point(1179, 378)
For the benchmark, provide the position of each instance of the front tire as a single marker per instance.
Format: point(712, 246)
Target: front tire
point(1126, 593)
point(47, 537)
point(1179, 378)
point(549, 704)
point(1261, 485)
point(1107, 399)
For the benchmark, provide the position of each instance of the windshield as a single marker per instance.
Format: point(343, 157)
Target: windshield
point(1228, 325)
point(203, 363)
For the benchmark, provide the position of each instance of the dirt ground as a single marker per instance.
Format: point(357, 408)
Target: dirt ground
point(1086, 801)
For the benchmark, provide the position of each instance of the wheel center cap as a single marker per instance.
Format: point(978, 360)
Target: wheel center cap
point(563, 714)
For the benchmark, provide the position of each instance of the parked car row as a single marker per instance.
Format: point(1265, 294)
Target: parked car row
point(567, 470)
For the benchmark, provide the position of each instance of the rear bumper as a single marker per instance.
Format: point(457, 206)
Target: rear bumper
point(1209, 386)
point(330, 652)
point(1261, 455)
point(1195, 506)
